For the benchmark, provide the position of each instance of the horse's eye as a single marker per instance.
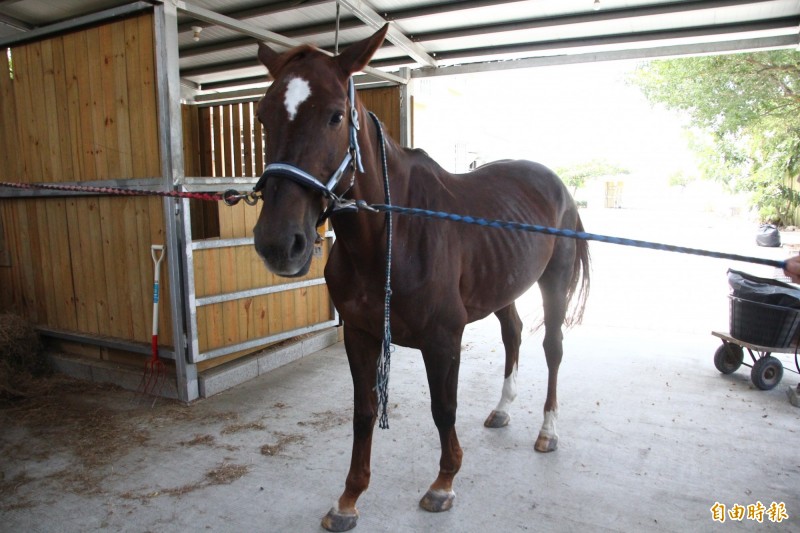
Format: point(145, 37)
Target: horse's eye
point(337, 118)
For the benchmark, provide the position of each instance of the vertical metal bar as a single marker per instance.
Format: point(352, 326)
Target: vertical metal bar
point(190, 300)
point(172, 170)
point(406, 135)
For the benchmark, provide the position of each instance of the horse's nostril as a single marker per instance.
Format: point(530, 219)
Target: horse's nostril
point(298, 245)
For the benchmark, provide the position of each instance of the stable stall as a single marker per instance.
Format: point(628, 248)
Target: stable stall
point(96, 102)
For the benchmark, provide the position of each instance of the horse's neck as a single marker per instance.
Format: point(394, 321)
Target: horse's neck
point(364, 235)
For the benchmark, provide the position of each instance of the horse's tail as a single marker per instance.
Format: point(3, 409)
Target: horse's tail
point(579, 284)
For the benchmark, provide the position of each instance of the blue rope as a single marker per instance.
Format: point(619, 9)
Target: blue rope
point(382, 380)
point(534, 228)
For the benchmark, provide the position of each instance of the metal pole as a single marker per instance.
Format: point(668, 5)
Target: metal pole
point(176, 212)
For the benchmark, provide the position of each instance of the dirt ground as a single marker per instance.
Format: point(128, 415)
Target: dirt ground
point(651, 435)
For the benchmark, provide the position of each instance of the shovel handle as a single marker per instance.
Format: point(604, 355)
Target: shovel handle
point(157, 253)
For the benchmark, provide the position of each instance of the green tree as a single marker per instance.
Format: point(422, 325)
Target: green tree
point(575, 176)
point(748, 107)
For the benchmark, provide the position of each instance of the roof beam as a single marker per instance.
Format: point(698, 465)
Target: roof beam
point(659, 52)
point(788, 24)
point(363, 11)
point(257, 33)
point(564, 20)
point(269, 9)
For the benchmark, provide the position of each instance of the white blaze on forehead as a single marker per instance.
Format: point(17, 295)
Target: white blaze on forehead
point(297, 92)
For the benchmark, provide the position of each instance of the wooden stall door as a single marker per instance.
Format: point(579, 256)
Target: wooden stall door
point(74, 108)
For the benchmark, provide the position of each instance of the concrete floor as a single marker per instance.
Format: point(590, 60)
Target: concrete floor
point(651, 435)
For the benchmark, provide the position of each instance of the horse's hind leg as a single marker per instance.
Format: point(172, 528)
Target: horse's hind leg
point(554, 285)
point(511, 330)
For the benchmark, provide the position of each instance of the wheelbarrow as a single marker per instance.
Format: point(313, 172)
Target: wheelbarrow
point(761, 329)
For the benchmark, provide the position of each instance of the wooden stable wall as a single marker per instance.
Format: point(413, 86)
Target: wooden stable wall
point(74, 108)
point(83, 107)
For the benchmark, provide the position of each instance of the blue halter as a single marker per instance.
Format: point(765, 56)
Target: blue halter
point(352, 158)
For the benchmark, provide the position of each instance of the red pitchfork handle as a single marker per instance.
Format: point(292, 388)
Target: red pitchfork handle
point(157, 253)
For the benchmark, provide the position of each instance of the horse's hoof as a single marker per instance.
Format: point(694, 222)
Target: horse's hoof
point(497, 419)
point(545, 444)
point(337, 521)
point(437, 501)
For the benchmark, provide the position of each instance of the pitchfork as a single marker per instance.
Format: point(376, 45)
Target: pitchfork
point(154, 370)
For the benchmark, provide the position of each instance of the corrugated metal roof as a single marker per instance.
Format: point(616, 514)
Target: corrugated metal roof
point(456, 36)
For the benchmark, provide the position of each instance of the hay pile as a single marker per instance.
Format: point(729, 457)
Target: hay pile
point(21, 358)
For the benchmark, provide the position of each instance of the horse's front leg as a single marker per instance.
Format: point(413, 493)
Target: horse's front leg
point(442, 364)
point(362, 354)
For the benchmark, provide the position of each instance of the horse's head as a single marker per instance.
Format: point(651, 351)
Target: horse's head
point(306, 115)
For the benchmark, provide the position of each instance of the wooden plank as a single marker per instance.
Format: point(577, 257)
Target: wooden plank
point(275, 317)
point(127, 268)
point(242, 281)
point(29, 135)
point(23, 251)
point(90, 219)
point(236, 141)
point(65, 126)
point(300, 317)
point(111, 265)
point(139, 231)
point(206, 166)
point(247, 138)
point(238, 220)
point(50, 104)
point(226, 216)
point(190, 134)
point(258, 148)
point(227, 140)
point(97, 150)
point(136, 120)
point(120, 101)
point(215, 335)
point(12, 297)
point(148, 135)
point(230, 311)
point(86, 320)
point(46, 293)
point(219, 153)
point(61, 265)
point(10, 157)
point(40, 109)
point(109, 135)
point(83, 82)
point(73, 105)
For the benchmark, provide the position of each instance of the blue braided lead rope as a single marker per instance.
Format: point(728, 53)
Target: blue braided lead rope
point(534, 228)
point(384, 360)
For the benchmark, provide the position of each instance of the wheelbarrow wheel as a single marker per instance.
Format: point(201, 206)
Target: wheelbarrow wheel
point(767, 373)
point(728, 358)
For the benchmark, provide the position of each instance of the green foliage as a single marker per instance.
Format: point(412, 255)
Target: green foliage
point(748, 106)
point(575, 176)
point(680, 179)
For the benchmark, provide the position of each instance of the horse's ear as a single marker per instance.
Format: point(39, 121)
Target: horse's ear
point(270, 59)
point(356, 56)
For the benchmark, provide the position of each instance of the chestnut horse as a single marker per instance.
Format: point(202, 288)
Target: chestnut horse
point(444, 275)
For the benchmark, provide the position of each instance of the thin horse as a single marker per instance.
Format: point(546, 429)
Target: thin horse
point(444, 275)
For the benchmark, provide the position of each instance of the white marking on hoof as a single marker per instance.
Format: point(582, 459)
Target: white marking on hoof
point(297, 91)
point(548, 438)
point(549, 425)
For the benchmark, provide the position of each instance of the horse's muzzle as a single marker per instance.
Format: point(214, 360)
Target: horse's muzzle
point(287, 254)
